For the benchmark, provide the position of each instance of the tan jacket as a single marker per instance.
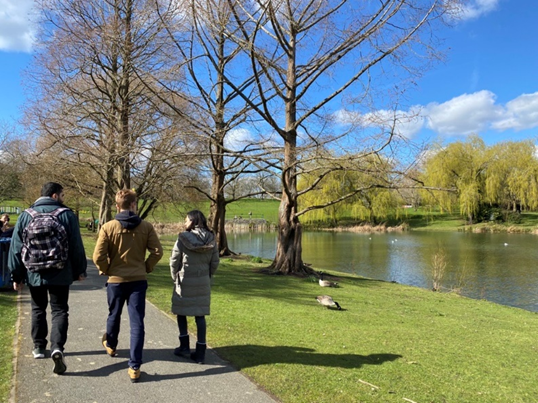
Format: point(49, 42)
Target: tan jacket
point(120, 253)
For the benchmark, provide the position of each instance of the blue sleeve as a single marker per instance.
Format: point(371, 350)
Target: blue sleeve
point(14, 263)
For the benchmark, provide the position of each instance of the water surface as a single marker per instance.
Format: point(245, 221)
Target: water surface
point(498, 267)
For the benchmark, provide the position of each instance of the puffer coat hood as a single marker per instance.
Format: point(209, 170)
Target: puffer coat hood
point(198, 240)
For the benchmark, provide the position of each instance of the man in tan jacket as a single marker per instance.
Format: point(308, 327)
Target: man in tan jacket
point(120, 254)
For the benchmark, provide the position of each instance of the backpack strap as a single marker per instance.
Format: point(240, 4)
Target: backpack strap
point(55, 213)
point(58, 211)
point(32, 212)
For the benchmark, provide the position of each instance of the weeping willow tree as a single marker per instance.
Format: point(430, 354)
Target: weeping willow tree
point(512, 177)
point(504, 175)
point(460, 166)
point(373, 198)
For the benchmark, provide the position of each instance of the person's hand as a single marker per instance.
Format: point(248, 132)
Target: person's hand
point(82, 277)
point(18, 286)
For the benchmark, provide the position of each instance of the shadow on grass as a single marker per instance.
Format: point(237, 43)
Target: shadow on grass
point(248, 282)
point(245, 356)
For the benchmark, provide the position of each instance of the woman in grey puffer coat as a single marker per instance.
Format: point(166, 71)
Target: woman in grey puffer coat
point(195, 258)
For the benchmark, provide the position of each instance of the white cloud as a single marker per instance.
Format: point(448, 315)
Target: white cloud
point(476, 8)
point(406, 123)
point(16, 30)
point(460, 116)
point(519, 114)
point(463, 115)
point(237, 139)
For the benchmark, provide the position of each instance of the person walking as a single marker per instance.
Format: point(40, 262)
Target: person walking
point(47, 254)
point(194, 260)
point(120, 254)
point(5, 230)
point(4, 222)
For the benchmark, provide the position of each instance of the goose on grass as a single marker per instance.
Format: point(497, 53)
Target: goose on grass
point(325, 283)
point(327, 301)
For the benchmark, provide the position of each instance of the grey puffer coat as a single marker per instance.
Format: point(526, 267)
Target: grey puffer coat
point(195, 258)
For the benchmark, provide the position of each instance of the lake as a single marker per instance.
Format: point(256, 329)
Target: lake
point(501, 268)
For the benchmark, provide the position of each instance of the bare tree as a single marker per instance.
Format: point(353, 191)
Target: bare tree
point(9, 165)
point(91, 76)
point(206, 55)
point(312, 58)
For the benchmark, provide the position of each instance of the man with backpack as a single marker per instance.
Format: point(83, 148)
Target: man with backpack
point(47, 254)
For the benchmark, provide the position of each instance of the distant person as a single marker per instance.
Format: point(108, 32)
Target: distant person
point(120, 254)
point(5, 230)
point(47, 254)
point(195, 258)
point(4, 222)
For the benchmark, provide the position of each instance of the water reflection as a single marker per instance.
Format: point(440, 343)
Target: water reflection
point(497, 267)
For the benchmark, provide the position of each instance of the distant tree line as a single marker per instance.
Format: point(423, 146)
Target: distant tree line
point(480, 182)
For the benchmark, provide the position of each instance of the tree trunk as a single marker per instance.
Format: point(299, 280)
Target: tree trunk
point(124, 173)
point(218, 200)
point(289, 250)
point(217, 211)
point(288, 259)
point(107, 199)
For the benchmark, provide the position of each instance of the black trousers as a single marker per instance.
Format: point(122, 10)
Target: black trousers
point(201, 327)
point(59, 296)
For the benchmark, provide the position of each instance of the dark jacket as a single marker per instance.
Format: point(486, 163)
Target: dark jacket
point(76, 263)
point(195, 258)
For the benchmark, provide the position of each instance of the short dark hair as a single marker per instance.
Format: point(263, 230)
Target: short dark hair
point(197, 220)
point(51, 188)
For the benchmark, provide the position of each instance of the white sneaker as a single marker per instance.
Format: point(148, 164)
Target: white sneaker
point(38, 352)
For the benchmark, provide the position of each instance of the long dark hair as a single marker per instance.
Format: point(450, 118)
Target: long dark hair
point(197, 220)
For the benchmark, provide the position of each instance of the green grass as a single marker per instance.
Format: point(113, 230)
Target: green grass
point(389, 343)
point(260, 209)
point(407, 342)
point(8, 318)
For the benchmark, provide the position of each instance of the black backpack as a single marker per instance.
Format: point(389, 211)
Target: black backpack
point(45, 243)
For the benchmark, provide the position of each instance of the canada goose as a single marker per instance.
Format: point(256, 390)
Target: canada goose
point(327, 301)
point(326, 283)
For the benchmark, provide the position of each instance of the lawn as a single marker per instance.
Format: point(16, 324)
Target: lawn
point(390, 342)
point(8, 318)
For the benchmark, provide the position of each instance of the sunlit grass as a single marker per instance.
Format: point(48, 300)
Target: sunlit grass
point(407, 342)
point(8, 318)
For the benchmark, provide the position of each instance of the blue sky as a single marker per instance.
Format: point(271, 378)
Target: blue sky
point(488, 84)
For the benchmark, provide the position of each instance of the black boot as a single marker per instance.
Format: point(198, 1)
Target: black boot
point(183, 350)
point(199, 355)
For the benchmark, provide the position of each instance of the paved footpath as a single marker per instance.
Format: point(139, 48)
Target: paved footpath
point(94, 377)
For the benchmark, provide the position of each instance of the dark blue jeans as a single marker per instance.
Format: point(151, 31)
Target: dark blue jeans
point(134, 293)
point(59, 308)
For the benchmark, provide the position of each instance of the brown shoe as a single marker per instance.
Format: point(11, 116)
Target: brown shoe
point(109, 350)
point(134, 374)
